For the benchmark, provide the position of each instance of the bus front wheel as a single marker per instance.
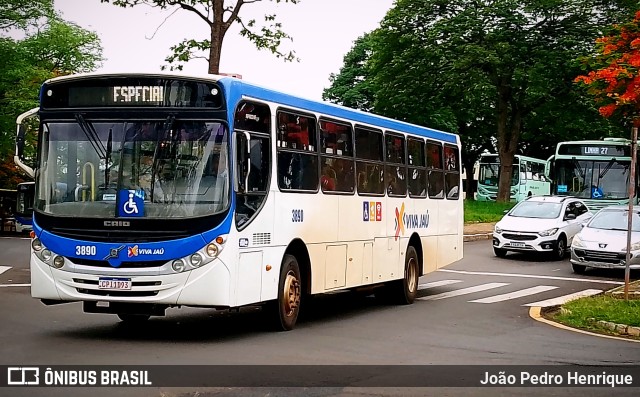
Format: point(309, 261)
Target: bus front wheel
point(285, 309)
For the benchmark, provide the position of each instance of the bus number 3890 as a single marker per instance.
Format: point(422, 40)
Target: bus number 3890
point(297, 215)
point(85, 249)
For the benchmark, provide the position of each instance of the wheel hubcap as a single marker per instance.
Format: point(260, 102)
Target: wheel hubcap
point(412, 272)
point(560, 248)
point(291, 293)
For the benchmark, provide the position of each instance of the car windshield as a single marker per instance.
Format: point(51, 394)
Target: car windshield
point(615, 220)
point(536, 209)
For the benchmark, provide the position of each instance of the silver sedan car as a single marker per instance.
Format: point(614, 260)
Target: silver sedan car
point(602, 242)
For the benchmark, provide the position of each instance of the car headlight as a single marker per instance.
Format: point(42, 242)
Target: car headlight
point(576, 242)
point(549, 232)
point(497, 230)
point(635, 246)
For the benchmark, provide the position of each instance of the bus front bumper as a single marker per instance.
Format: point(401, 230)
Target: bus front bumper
point(205, 286)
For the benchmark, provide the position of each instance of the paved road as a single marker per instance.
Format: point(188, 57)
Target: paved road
point(475, 312)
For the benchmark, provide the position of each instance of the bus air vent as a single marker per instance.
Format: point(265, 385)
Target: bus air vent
point(261, 238)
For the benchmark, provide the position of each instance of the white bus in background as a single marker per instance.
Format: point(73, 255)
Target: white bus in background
point(213, 192)
point(527, 178)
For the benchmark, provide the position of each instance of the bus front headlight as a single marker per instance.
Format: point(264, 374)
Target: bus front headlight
point(36, 244)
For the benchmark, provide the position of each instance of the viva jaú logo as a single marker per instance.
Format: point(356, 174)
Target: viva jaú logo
point(410, 221)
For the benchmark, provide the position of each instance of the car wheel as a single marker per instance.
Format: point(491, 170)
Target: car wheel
point(579, 269)
point(499, 252)
point(561, 249)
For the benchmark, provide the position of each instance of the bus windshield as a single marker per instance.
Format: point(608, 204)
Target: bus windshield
point(176, 168)
point(489, 174)
point(593, 179)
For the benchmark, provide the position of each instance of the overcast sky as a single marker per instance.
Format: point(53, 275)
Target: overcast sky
point(323, 31)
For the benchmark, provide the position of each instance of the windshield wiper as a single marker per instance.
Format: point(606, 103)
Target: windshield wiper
point(168, 123)
point(606, 169)
point(107, 160)
point(91, 135)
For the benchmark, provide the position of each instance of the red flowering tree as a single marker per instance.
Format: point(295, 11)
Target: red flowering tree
point(615, 82)
point(615, 76)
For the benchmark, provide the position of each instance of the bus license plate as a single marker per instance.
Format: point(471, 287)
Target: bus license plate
point(114, 283)
point(517, 245)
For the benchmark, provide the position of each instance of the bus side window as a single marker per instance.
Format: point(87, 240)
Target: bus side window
point(435, 170)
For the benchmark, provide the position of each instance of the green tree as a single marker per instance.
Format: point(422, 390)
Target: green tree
point(18, 14)
point(352, 86)
point(213, 12)
point(521, 49)
point(52, 48)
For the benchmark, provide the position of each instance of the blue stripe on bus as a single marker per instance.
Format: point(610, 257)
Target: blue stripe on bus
point(235, 89)
point(172, 249)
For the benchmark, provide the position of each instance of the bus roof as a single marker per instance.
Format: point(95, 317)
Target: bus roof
point(518, 156)
point(236, 90)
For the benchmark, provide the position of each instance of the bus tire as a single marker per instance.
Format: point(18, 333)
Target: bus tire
point(129, 318)
point(407, 288)
point(284, 311)
point(404, 291)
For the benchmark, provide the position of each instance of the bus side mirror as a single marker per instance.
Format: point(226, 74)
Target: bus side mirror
point(20, 142)
point(242, 162)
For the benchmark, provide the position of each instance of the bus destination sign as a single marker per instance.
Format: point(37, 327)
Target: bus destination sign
point(138, 94)
point(598, 151)
point(131, 92)
point(595, 150)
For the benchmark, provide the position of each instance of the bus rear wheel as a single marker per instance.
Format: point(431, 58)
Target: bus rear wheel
point(285, 309)
point(403, 291)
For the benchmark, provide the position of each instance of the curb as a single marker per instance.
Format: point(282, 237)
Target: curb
point(535, 312)
point(476, 237)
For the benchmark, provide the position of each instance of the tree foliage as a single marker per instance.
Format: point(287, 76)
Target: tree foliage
point(219, 18)
point(51, 47)
point(496, 70)
point(353, 85)
point(18, 14)
point(615, 79)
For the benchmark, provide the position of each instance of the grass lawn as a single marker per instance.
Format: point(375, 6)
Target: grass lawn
point(484, 211)
point(585, 312)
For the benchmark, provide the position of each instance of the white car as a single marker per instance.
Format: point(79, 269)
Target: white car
point(602, 242)
point(540, 224)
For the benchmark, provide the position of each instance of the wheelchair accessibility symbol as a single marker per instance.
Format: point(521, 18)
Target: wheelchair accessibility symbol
point(131, 203)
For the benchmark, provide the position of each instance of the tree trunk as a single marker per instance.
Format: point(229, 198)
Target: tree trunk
point(470, 183)
point(215, 52)
point(509, 124)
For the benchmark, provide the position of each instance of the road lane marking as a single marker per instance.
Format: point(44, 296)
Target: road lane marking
point(463, 291)
point(15, 285)
point(531, 276)
point(565, 298)
point(4, 269)
point(437, 284)
point(516, 294)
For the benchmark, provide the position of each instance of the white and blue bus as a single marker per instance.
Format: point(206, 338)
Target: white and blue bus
point(24, 207)
point(157, 191)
